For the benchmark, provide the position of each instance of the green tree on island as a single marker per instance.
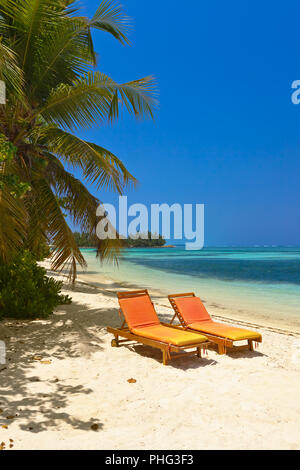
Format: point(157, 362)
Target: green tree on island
point(47, 58)
point(152, 241)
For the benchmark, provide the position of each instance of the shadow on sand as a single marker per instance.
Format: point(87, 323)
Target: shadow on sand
point(73, 331)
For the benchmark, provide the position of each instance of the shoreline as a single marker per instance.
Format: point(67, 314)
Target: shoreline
point(271, 305)
point(217, 311)
point(231, 319)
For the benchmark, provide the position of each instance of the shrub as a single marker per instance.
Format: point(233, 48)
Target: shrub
point(40, 251)
point(26, 291)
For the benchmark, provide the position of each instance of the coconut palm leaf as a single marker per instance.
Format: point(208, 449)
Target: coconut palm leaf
point(92, 99)
point(110, 17)
point(13, 226)
point(139, 97)
point(81, 207)
point(99, 166)
point(9, 70)
point(63, 57)
point(48, 210)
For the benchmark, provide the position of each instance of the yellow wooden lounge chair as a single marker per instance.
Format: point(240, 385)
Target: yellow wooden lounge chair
point(143, 326)
point(193, 316)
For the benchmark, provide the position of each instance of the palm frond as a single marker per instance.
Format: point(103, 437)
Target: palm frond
point(83, 104)
point(109, 250)
point(13, 216)
point(110, 18)
point(82, 205)
point(82, 208)
point(98, 165)
point(32, 16)
point(138, 96)
point(63, 56)
point(66, 252)
point(10, 72)
point(12, 227)
point(94, 97)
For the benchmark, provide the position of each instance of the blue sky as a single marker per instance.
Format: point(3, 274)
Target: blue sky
point(226, 133)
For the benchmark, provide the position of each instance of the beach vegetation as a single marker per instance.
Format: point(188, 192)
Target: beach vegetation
point(85, 240)
point(148, 240)
point(48, 60)
point(26, 291)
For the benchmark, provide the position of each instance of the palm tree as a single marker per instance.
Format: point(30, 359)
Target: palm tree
point(47, 60)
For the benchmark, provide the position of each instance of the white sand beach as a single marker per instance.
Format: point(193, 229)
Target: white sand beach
point(64, 387)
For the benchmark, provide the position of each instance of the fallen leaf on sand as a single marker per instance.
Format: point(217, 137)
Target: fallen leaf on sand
point(95, 427)
point(10, 417)
point(45, 362)
point(37, 358)
point(131, 381)
point(4, 426)
point(11, 440)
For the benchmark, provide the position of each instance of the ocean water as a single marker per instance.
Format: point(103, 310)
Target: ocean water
point(260, 283)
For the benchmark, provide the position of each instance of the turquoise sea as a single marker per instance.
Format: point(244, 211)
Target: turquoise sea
point(260, 283)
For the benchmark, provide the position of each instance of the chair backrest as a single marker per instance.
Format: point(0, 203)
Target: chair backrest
point(189, 307)
point(138, 309)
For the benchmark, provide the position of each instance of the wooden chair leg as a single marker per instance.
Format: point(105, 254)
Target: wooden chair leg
point(221, 348)
point(199, 352)
point(165, 357)
point(115, 342)
point(250, 342)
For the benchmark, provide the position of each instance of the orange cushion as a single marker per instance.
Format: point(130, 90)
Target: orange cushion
point(169, 335)
point(225, 331)
point(139, 311)
point(192, 309)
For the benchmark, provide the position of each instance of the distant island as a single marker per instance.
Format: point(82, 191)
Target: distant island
point(85, 240)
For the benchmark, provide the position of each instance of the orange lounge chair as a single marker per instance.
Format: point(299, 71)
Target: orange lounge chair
point(193, 316)
point(144, 327)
